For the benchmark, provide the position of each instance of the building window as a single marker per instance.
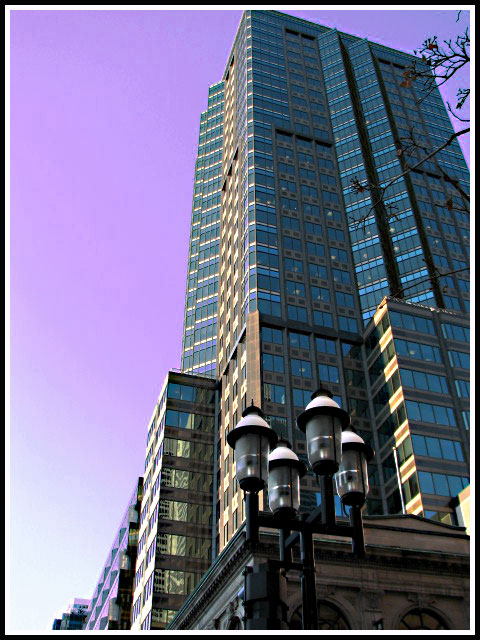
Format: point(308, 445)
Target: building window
point(299, 340)
point(459, 359)
point(319, 294)
point(297, 313)
point(440, 484)
point(272, 363)
point(234, 624)
point(274, 393)
point(329, 617)
point(324, 345)
point(322, 318)
point(328, 373)
point(295, 288)
point(347, 324)
point(412, 323)
point(417, 350)
point(272, 335)
point(301, 397)
point(146, 622)
point(422, 619)
point(301, 368)
point(162, 616)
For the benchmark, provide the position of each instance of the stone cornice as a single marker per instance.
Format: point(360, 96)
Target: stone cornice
point(392, 559)
point(224, 572)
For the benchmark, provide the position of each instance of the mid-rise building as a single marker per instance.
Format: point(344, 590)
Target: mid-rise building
point(417, 382)
point(176, 517)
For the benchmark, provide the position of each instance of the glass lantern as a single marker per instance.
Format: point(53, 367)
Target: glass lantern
point(352, 476)
point(323, 422)
point(252, 440)
point(284, 473)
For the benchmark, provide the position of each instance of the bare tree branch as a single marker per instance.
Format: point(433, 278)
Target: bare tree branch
point(359, 187)
point(438, 64)
point(438, 276)
point(449, 108)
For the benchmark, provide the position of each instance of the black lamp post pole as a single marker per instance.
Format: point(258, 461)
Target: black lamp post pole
point(358, 540)
point(309, 596)
point(328, 500)
point(285, 552)
point(251, 517)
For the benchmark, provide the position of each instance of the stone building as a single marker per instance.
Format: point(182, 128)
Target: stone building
point(415, 575)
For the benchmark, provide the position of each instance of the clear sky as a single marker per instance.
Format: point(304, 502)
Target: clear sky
point(105, 109)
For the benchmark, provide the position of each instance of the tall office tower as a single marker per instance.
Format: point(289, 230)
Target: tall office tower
point(304, 259)
point(201, 300)
point(175, 529)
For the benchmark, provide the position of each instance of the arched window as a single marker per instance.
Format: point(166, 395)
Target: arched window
point(421, 619)
point(234, 624)
point(329, 617)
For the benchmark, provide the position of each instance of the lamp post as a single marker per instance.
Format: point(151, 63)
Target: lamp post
point(252, 440)
point(334, 451)
point(352, 483)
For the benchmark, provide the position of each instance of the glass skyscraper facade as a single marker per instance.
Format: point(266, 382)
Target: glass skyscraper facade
point(288, 262)
point(417, 381)
point(201, 300)
point(175, 523)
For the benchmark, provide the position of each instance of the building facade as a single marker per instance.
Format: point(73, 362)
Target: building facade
point(288, 262)
point(111, 603)
point(417, 382)
point(176, 515)
point(75, 616)
point(201, 299)
point(463, 509)
point(432, 559)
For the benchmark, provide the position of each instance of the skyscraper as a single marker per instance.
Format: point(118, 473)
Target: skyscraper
point(288, 261)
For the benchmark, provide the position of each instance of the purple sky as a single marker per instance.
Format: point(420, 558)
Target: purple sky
point(105, 109)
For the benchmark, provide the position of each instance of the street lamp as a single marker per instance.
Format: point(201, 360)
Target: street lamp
point(334, 450)
point(352, 483)
point(284, 473)
point(352, 477)
point(252, 440)
point(323, 422)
